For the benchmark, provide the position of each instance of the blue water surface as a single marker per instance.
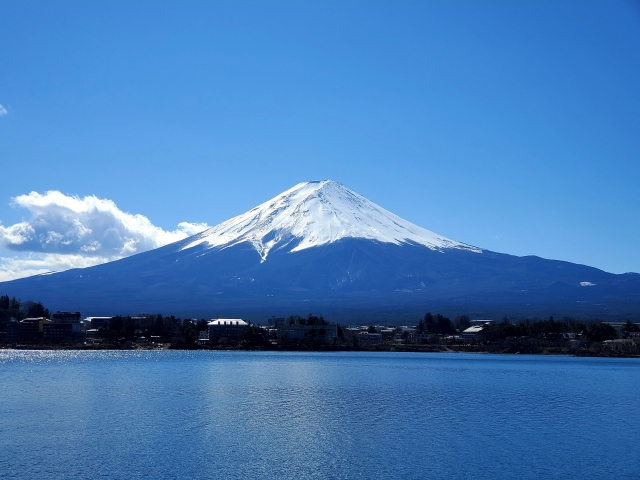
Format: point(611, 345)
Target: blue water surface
point(203, 414)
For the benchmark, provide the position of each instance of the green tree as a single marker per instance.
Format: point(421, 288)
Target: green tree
point(255, 336)
point(202, 325)
point(116, 324)
point(630, 327)
point(190, 336)
point(444, 326)
point(599, 332)
point(113, 337)
point(36, 310)
point(158, 326)
point(462, 322)
point(429, 323)
point(129, 328)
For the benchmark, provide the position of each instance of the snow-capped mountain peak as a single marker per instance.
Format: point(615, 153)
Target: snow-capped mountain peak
point(317, 213)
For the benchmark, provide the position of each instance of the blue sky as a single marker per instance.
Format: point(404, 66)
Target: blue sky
point(512, 126)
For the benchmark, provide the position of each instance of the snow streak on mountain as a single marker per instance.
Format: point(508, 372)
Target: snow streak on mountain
point(318, 213)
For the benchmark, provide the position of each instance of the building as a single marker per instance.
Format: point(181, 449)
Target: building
point(421, 338)
point(92, 333)
point(203, 338)
point(97, 322)
point(472, 333)
point(366, 338)
point(227, 330)
point(621, 327)
point(387, 334)
point(30, 330)
point(12, 332)
point(66, 327)
point(63, 332)
point(622, 345)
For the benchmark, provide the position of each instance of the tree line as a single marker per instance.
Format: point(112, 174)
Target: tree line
point(440, 325)
point(596, 331)
point(311, 319)
point(14, 308)
point(168, 329)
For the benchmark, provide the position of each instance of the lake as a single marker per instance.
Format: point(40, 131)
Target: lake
point(280, 415)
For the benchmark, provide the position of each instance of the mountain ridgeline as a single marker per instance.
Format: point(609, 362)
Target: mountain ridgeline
point(320, 247)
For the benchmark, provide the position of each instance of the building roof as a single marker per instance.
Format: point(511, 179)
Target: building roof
point(228, 321)
point(474, 329)
point(34, 320)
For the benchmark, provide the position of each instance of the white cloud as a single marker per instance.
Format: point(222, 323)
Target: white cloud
point(3, 111)
point(15, 267)
point(192, 228)
point(68, 231)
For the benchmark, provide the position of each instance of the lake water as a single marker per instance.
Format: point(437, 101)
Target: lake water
point(162, 414)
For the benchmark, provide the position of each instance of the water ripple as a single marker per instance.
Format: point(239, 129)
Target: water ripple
point(177, 414)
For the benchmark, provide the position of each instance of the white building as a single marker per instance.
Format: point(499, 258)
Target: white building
point(472, 333)
point(227, 330)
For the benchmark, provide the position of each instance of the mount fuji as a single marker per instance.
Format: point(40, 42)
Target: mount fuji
point(313, 214)
point(320, 247)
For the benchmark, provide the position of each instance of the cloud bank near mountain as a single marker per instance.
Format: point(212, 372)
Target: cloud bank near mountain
point(67, 231)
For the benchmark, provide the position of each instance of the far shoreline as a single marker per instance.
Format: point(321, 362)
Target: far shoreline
point(477, 349)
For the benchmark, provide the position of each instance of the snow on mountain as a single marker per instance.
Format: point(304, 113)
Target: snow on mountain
point(317, 213)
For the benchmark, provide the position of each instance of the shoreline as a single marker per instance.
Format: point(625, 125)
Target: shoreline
point(479, 349)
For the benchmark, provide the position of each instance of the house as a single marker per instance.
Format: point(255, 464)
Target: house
point(624, 345)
